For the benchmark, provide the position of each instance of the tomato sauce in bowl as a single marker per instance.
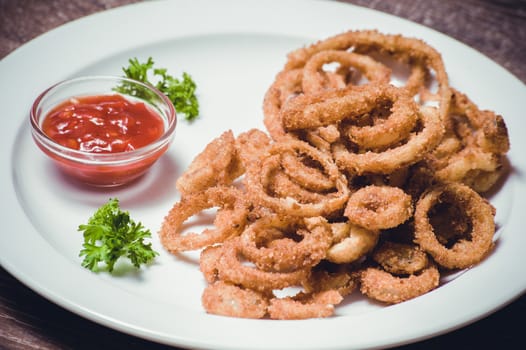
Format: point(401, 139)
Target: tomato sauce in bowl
point(100, 137)
point(103, 124)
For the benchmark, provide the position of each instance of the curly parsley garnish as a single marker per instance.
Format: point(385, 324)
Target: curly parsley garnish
point(109, 234)
point(180, 92)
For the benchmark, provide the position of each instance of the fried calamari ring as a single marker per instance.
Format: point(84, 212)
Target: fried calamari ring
point(391, 113)
point(400, 258)
point(492, 135)
point(221, 298)
point(417, 79)
point(471, 152)
point(449, 222)
point(314, 77)
point(465, 252)
point(217, 164)
point(281, 185)
point(304, 305)
point(226, 198)
point(468, 165)
point(250, 144)
point(386, 162)
point(411, 50)
point(483, 181)
point(331, 276)
point(310, 177)
point(351, 242)
point(208, 260)
point(256, 178)
point(401, 117)
point(379, 207)
point(289, 83)
point(382, 286)
point(326, 108)
point(398, 178)
point(322, 137)
point(233, 270)
point(286, 85)
point(285, 254)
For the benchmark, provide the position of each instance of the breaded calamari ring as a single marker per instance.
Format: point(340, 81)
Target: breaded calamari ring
point(411, 50)
point(281, 185)
point(217, 164)
point(304, 305)
point(208, 260)
point(400, 258)
point(472, 150)
point(331, 276)
point(222, 298)
point(381, 285)
point(250, 144)
point(351, 243)
point(379, 207)
point(233, 270)
point(225, 198)
point(286, 254)
point(315, 81)
point(257, 176)
point(493, 133)
point(467, 165)
point(286, 85)
point(391, 113)
point(464, 253)
point(329, 107)
point(386, 162)
point(312, 178)
point(323, 137)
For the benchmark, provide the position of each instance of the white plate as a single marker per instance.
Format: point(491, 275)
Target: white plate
point(233, 49)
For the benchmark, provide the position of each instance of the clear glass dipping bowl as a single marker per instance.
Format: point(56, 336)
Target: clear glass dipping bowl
point(102, 169)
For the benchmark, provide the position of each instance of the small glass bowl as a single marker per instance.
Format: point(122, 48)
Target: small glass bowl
point(101, 169)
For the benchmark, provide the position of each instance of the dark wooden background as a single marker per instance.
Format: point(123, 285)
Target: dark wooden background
point(495, 28)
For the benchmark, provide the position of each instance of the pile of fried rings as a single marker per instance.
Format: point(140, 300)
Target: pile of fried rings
point(364, 181)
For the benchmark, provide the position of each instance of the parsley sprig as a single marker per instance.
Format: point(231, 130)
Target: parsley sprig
point(109, 234)
point(182, 92)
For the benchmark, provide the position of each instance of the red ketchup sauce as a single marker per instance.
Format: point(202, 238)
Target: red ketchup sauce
point(104, 124)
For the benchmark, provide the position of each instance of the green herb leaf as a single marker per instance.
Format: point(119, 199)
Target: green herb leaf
point(109, 234)
point(182, 93)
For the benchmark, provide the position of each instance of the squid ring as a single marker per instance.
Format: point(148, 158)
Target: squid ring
point(221, 298)
point(280, 184)
point(405, 49)
point(286, 85)
point(386, 162)
point(464, 253)
point(313, 80)
point(334, 106)
point(304, 305)
point(217, 165)
point(399, 258)
point(231, 269)
point(286, 254)
point(397, 126)
point(309, 177)
point(226, 198)
point(385, 287)
point(379, 207)
point(357, 242)
point(256, 178)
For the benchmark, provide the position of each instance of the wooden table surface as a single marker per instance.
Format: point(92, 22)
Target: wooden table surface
point(495, 28)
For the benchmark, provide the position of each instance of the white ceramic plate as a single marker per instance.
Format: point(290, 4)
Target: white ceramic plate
point(233, 49)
